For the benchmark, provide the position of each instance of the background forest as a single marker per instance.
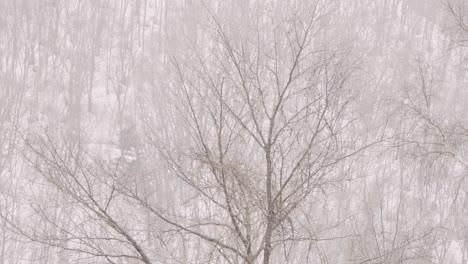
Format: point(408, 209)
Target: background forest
point(238, 131)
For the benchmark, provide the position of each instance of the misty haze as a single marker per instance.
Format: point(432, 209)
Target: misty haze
point(234, 131)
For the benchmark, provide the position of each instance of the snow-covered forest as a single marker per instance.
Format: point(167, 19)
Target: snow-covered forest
point(234, 131)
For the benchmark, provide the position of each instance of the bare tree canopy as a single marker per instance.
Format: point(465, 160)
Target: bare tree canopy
point(233, 131)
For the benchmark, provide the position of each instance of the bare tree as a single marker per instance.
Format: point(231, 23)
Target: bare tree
point(189, 131)
point(94, 220)
point(434, 135)
point(260, 130)
point(458, 17)
point(262, 121)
